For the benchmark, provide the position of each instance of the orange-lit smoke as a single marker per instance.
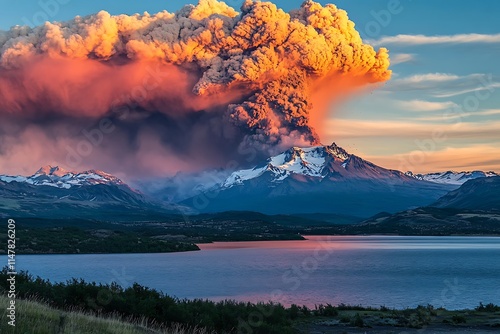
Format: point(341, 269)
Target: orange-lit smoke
point(255, 71)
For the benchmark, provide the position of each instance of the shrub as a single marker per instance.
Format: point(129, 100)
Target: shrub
point(488, 308)
point(345, 319)
point(327, 310)
point(357, 321)
point(458, 319)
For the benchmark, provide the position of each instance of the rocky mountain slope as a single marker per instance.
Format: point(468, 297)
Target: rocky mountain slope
point(324, 179)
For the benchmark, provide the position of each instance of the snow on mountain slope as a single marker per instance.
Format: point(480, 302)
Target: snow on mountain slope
point(53, 192)
point(451, 177)
point(60, 178)
point(304, 161)
point(320, 179)
point(317, 162)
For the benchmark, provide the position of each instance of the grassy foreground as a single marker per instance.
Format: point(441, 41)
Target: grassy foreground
point(39, 318)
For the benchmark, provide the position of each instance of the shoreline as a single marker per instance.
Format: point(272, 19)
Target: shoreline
point(305, 237)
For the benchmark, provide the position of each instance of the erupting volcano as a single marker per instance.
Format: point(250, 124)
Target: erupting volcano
point(177, 91)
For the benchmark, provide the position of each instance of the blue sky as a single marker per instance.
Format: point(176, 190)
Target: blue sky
point(441, 109)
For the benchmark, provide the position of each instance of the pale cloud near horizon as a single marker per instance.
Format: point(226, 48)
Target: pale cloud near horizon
point(424, 147)
point(450, 116)
point(440, 39)
point(421, 105)
point(355, 128)
point(426, 77)
point(443, 85)
point(473, 157)
point(490, 87)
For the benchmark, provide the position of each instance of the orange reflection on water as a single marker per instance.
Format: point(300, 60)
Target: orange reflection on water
point(311, 242)
point(362, 242)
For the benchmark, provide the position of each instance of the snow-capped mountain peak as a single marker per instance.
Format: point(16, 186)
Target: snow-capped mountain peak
point(317, 162)
point(337, 151)
point(452, 177)
point(304, 161)
point(49, 170)
point(308, 161)
point(319, 179)
point(58, 177)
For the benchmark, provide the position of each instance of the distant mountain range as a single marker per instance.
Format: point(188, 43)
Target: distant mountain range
point(53, 192)
point(60, 178)
point(451, 177)
point(312, 180)
point(312, 162)
point(321, 179)
point(473, 208)
point(476, 194)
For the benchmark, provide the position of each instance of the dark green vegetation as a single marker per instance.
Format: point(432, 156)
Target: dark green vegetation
point(173, 234)
point(180, 233)
point(473, 209)
point(116, 219)
point(427, 221)
point(139, 304)
point(73, 240)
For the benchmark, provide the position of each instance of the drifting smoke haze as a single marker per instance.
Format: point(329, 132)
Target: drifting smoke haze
point(177, 91)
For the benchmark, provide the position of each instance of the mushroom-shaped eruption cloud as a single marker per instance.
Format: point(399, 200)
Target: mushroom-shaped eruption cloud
point(200, 85)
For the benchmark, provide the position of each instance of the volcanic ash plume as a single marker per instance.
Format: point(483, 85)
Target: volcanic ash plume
point(241, 79)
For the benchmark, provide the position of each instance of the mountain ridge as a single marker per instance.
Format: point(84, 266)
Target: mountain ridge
point(452, 177)
point(55, 176)
point(473, 208)
point(52, 192)
point(476, 194)
point(316, 162)
point(318, 179)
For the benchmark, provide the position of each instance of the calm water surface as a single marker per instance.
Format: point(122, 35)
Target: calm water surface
point(454, 272)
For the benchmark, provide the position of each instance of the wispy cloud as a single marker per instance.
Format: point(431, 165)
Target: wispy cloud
point(443, 85)
point(443, 39)
point(355, 128)
point(474, 157)
point(421, 105)
point(492, 86)
point(429, 77)
point(467, 158)
point(455, 114)
point(400, 58)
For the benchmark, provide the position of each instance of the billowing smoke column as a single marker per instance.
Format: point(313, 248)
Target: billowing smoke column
point(204, 82)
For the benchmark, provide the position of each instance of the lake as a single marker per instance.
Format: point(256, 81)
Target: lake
point(395, 271)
